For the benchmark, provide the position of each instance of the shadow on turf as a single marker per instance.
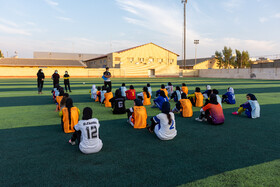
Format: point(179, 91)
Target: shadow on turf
point(41, 155)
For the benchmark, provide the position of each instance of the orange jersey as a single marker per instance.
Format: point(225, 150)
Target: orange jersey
point(108, 96)
point(165, 91)
point(69, 127)
point(198, 99)
point(139, 117)
point(186, 108)
point(97, 96)
point(185, 90)
point(58, 100)
point(146, 100)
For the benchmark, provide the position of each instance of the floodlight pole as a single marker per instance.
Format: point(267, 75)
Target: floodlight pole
point(196, 42)
point(185, 2)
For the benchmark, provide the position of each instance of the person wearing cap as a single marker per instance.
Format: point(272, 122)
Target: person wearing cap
point(163, 124)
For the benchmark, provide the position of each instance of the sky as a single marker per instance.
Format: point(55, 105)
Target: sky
point(104, 26)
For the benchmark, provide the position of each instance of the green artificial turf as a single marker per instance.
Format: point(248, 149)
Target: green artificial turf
point(34, 150)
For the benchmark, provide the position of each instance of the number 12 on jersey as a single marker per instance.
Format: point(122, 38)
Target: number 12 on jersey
point(91, 132)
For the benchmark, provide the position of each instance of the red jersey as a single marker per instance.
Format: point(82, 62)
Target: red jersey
point(130, 94)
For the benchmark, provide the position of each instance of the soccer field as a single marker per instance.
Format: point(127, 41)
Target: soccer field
point(35, 151)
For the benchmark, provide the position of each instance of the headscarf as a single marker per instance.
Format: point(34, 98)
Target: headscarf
point(87, 113)
point(230, 89)
point(93, 87)
point(208, 87)
point(165, 107)
point(138, 102)
point(252, 96)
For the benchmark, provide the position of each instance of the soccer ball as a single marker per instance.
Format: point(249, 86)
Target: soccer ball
point(84, 83)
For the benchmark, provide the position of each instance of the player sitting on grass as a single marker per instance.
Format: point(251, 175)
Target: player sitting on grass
point(145, 96)
point(102, 94)
point(251, 107)
point(149, 89)
point(93, 92)
point(137, 115)
point(184, 106)
point(63, 101)
point(87, 133)
point(176, 94)
point(212, 112)
point(207, 92)
point(169, 88)
point(160, 100)
point(162, 88)
point(55, 91)
point(118, 103)
point(123, 89)
point(131, 93)
point(58, 99)
point(163, 124)
point(196, 98)
point(69, 116)
point(185, 88)
point(98, 94)
point(216, 92)
point(108, 95)
point(229, 97)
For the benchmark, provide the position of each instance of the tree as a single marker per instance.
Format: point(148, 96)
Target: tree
point(246, 62)
point(1, 54)
point(225, 59)
point(238, 59)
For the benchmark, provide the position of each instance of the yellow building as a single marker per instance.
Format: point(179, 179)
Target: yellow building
point(140, 61)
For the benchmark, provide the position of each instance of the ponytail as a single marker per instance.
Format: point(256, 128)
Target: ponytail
point(169, 119)
point(69, 116)
point(148, 94)
point(145, 89)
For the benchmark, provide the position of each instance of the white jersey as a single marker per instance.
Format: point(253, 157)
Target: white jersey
point(90, 142)
point(150, 91)
point(123, 89)
point(163, 130)
point(256, 109)
point(219, 100)
point(93, 92)
point(169, 90)
point(102, 95)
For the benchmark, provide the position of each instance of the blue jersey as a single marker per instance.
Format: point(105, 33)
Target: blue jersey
point(230, 98)
point(159, 101)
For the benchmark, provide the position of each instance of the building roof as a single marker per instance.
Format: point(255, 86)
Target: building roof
point(191, 62)
point(64, 56)
point(124, 50)
point(30, 62)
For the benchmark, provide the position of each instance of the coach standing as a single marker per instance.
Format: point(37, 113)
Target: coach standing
point(106, 77)
point(40, 80)
point(55, 78)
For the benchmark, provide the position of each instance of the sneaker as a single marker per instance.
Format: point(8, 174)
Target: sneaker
point(198, 119)
point(72, 143)
point(235, 113)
